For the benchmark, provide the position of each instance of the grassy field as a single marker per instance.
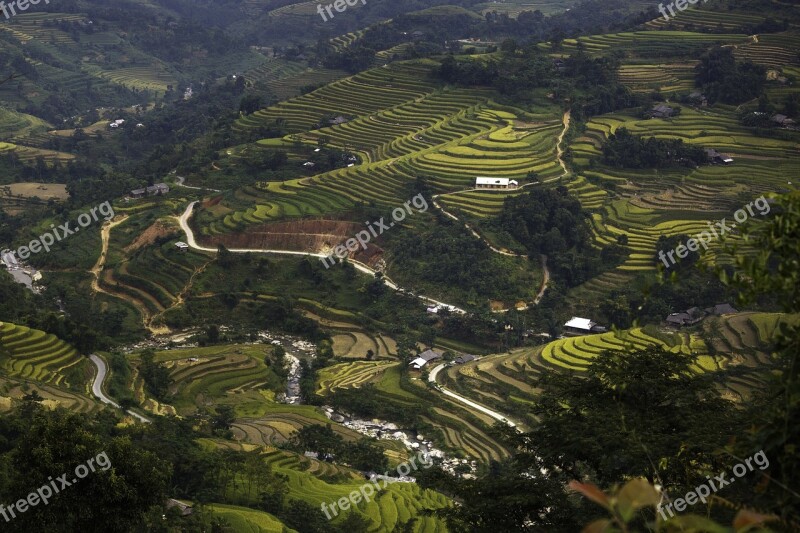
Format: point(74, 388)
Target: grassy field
point(42, 191)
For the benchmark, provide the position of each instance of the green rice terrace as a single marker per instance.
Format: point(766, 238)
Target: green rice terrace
point(643, 205)
point(236, 375)
point(33, 361)
point(733, 347)
point(400, 128)
point(401, 124)
point(317, 482)
point(35, 355)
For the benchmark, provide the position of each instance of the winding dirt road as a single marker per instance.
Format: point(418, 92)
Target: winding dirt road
point(97, 270)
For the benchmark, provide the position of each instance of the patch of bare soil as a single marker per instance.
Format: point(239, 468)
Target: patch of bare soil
point(214, 200)
point(159, 229)
point(307, 235)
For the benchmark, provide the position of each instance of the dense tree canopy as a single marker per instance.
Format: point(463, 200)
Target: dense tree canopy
point(623, 149)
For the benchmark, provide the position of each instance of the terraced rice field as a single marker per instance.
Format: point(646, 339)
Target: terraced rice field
point(36, 355)
point(704, 17)
point(355, 344)
point(515, 7)
point(280, 424)
point(246, 519)
point(741, 351)
point(317, 482)
point(401, 126)
point(145, 280)
point(152, 77)
point(274, 69)
point(649, 44)
point(30, 26)
point(651, 203)
point(214, 374)
point(396, 504)
point(665, 78)
point(771, 50)
point(289, 86)
point(53, 396)
point(14, 123)
point(351, 375)
point(30, 154)
point(344, 41)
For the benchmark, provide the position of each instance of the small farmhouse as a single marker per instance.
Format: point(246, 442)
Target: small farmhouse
point(721, 309)
point(495, 183)
point(717, 158)
point(782, 120)
point(662, 111)
point(157, 189)
point(690, 317)
point(424, 358)
point(581, 326)
point(152, 190)
point(698, 98)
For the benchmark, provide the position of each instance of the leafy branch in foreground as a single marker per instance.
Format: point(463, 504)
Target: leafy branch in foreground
point(629, 502)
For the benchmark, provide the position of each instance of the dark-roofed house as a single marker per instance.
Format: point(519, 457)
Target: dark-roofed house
point(138, 193)
point(782, 120)
point(157, 189)
point(424, 358)
point(690, 317)
point(722, 309)
point(662, 111)
point(718, 158)
point(185, 509)
point(698, 98)
point(464, 358)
